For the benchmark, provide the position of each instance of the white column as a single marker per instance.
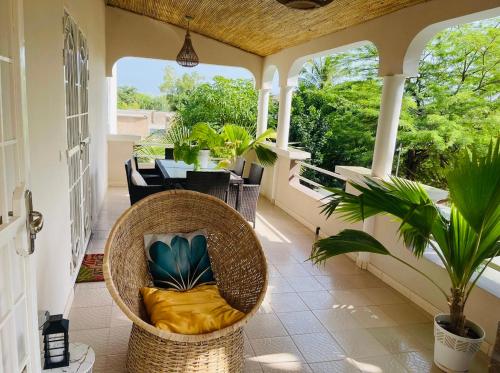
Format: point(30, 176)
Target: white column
point(112, 102)
point(285, 110)
point(387, 128)
point(262, 110)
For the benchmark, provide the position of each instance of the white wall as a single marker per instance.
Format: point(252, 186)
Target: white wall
point(133, 35)
point(120, 150)
point(47, 132)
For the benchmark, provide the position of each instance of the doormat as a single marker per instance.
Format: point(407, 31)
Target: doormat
point(91, 269)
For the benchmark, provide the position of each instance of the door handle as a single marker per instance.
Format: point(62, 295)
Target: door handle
point(34, 221)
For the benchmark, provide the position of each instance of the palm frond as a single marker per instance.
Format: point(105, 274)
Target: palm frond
point(186, 153)
point(177, 134)
point(265, 155)
point(206, 136)
point(347, 241)
point(266, 135)
point(474, 184)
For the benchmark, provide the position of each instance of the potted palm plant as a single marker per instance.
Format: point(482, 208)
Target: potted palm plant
point(238, 141)
point(184, 148)
point(466, 239)
point(206, 139)
point(194, 146)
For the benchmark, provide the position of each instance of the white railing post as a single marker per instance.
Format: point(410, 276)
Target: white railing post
point(285, 110)
point(262, 110)
point(112, 102)
point(387, 128)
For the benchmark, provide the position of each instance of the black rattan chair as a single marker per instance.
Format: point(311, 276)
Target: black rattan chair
point(250, 196)
point(137, 192)
point(239, 166)
point(215, 183)
point(255, 175)
point(169, 153)
point(151, 175)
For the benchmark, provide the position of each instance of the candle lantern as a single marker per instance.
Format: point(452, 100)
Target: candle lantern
point(56, 343)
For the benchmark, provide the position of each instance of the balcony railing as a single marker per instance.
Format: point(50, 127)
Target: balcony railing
point(319, 179)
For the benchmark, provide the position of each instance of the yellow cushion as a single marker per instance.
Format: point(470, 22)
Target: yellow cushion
point(196, 311)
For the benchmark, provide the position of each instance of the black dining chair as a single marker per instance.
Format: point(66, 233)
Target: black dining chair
point(215, 183)
point(151, 175)
point(169, 153)
point(255, 175)
point(138, 192)
point(239, 166)
point(250, 194)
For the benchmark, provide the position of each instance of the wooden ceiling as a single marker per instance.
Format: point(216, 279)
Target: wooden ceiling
point(262, 27)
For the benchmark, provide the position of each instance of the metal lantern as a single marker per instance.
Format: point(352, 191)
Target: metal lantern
point(55, 342)
point(187, 57)
point(305, 4)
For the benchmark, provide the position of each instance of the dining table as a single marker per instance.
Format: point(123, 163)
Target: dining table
point(175, 173)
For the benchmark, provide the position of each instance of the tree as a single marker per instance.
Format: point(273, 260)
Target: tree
point(453, 102)
point(358, 64)
point(319, 72)
point(130, 98)
point(175, 88)
point(221, 102)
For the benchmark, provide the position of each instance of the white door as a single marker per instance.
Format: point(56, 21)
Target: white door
point(76, 76)
point(19, 341)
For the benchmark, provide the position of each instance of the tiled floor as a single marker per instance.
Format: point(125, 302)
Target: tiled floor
point(335, 318)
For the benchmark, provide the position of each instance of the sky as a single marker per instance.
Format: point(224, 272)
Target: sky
point(147, 74)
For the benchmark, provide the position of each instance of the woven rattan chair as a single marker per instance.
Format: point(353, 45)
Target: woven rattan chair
point(169, 153)
point(250, 196)
point(239, 166)
point(137, 192)
point(215, 183)
point(238, 264)
point(151, 175)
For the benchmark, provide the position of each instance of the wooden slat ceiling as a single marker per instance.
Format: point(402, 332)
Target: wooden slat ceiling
point(262, 27)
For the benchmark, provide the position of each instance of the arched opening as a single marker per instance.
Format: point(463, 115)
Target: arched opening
point(452, 103)
point(335, 112)
point(271, 83)
point(205, 93)
point(157, 99)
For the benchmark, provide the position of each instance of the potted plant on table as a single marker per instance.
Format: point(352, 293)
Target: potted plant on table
point(238, 141)
point(196, 145)
point(465, 241)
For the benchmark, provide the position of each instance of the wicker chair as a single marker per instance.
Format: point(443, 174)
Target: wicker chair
point(239, 166)
point(238, 264)
point(137, 192)
point(151, 175)
point(169, 153)
point(250, 196)
point(215, 183)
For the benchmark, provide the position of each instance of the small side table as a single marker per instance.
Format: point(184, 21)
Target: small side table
point(81, 360)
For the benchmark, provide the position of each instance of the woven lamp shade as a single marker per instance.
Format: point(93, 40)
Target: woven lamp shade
point(305, 4)
point(187, 57)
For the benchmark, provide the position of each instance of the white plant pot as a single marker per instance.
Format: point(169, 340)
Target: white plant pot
point(204, 158)
point(453, 353)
